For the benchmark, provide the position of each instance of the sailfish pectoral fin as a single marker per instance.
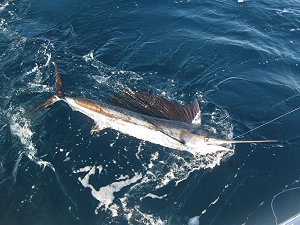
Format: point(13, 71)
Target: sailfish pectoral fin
point(184, 136)
point(97, 128)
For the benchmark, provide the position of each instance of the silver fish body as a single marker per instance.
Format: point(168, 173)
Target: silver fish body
point(163, 132)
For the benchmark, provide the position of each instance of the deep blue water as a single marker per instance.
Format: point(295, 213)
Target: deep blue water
point(239, 60)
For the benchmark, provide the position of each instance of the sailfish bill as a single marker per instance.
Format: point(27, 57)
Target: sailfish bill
point(150, 118)
point(220, 141)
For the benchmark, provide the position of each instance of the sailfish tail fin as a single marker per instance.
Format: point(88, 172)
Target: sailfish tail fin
point(59, 93)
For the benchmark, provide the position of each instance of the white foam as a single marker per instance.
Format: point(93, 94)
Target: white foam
point(105, 195)
point(67, 159)
point(146, 218)
point(140, 149)
point(261, 203)
point(41, 88)
point(214, 202)
point(89, 56)
point(84, 169)
point(48, 59)
point(15, 170)
point(154, 157)
point(101, 79)
point(118, 136)
point(289, 10)
point(33, 70)
point(150, 195)
point(3, 127)
point(194, 221)
point(4, 5)
point(123, 177)
point(20, 127)
point(166, 180)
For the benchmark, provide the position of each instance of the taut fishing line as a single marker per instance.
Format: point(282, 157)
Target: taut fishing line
point(277, 118)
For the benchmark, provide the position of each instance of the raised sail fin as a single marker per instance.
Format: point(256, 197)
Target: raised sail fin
point(155, 106)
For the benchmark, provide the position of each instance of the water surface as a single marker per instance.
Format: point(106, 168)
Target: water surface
point(239, 60)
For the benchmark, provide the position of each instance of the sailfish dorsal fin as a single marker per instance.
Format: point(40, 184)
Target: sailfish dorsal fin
point(156, 106)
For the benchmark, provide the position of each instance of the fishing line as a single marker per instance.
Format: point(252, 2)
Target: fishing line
point(294, 110)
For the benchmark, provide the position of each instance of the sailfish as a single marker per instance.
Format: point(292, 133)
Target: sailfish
point(150, 118)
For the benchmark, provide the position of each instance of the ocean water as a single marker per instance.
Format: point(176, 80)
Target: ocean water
point(239, 59)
